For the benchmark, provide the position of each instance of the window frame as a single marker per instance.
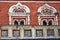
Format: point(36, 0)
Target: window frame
point(58, 32)
point(13, 32)
point(28, 30)
point(6, 32)
point(39, 30)
point(50, 30)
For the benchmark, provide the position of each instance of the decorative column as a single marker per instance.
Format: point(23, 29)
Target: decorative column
point(22, 33)
point(39, 20)
point(26, 22)
point(10, 32)
point(56, 18)
point(28, 19)
point(45, 32)
point(33, 32)
point(9, 20)
point(56, 32)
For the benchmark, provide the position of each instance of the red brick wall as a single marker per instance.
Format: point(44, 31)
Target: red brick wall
point(4, 8)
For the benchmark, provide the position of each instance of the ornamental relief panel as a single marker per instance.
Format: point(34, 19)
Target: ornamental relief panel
point(47, 11)
point(18, 9)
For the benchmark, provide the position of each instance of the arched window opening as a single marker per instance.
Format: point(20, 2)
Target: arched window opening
point(16, 23)
point(22, 23)
point(50, 22)
point(44, 23)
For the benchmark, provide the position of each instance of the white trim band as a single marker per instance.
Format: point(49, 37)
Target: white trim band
point(34, 1)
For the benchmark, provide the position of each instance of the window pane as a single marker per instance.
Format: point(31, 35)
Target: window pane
point(50, 32)
point(39, 33)
point(59, 32)
point(27, 33)
point(16, 33)
point(4, 33)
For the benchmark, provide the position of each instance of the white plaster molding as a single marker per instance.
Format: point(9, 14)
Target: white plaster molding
point(10, 32)
point(39, 19)
point(34, 1)
point(19, 5)
point(28, 19)
point(46, 6)
point(17, 14)
point(19, 17)
point(56, 20)
point(9, 20)
point(56, 32)
point(33, 32)
point(25, 22)
point(22, 33)
point(47, 17)
point(42, 14)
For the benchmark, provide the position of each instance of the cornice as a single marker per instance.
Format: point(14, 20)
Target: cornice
point(34, 1)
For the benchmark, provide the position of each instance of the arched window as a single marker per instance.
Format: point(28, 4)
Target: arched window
point(50, 22)
point(21, 22)
point(46, 9)
point(16, 23)
point(44, 22)
point(19, 10)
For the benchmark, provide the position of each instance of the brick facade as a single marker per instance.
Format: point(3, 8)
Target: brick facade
point(4, 8)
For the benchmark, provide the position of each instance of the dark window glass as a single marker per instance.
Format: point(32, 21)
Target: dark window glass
point(4, 33)
point(59, 32)
point(44, 23)
point(22, 23)
point(50, 23)
point(16, 23)
point(39, 32)
point(16, 33)
point(50, 32)
point(27, 33)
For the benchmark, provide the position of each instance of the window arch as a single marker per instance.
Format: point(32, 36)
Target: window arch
point(44, 22)
point(18, 10)
point(47, 11)
point(19, 6)
point(15, 23)
point(22, 22)
point(46, 8)
point(50, 23)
